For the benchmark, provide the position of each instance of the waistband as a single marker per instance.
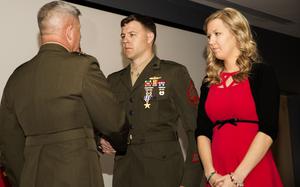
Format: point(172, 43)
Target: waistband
point(138, 139)
point(233, 121)
point(60, 136)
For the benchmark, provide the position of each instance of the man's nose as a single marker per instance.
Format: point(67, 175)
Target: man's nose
point(125, 39)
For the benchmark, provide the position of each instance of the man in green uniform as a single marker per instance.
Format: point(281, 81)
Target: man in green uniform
point(156, 95)
point(50, 106)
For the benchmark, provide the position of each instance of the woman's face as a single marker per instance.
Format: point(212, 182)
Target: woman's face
point(221, 41)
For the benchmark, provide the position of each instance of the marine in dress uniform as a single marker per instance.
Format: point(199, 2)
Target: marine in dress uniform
point(156, 99)
point(49, 109)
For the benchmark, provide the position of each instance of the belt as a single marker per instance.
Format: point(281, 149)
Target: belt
point(38, 142)
point(138, 139)
point(233, 121)
point(60, 136)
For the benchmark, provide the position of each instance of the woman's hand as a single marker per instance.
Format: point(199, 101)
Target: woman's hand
point(224, 181)
point(215, 180)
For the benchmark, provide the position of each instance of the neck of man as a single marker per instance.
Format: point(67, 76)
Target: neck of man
point(54, 38)
point(143, 59)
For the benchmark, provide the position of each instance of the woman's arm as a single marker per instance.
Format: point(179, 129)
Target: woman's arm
point(265, 90)
point(204, 150)
point(257, 150)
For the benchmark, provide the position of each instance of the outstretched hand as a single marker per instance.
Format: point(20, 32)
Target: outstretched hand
point(106, 147)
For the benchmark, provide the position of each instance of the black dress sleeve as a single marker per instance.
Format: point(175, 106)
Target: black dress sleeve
point(266, 94)
point(204, 124)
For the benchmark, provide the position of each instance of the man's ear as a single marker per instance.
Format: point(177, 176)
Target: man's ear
point(150, 37)
point(69, 33)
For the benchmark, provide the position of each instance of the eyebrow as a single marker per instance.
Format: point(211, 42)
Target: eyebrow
point(214, 30)
point(122, 33)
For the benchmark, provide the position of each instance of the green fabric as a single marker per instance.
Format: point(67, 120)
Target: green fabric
point(157, 163)
point(54, 92)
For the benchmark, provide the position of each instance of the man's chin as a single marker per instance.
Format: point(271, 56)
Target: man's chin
point(130, 57)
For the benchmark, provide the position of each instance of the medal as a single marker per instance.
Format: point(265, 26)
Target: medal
point(155, 78)
point(161, 87)
point(148, 89)
point(149, 85)
point(147, 105)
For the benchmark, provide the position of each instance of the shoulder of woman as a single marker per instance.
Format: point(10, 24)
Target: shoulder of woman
point(204, 85)
point(260, 66)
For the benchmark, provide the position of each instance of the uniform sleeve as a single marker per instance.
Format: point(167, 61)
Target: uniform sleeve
point(187, 101)
point(12, 142)
point(204, 125)
point(268, 102)
point(106, 115)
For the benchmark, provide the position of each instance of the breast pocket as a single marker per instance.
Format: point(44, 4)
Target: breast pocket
point(164, 108)
point(121, 98)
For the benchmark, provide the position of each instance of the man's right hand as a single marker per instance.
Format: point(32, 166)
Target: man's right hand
point(106, 147)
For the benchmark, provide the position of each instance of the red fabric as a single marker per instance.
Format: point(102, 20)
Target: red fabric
point(192, 94)
point(3, 179)
point(195, 158)
point(2, 184)
point(230, 143)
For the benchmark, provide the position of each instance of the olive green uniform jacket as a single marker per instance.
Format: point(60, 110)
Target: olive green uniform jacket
point(50, 104)
point(154, 156)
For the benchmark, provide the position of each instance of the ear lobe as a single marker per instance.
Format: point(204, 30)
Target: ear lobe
point(150, 37)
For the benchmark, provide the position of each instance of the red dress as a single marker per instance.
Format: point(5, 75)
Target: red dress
point(3, 179)
point(230, 143)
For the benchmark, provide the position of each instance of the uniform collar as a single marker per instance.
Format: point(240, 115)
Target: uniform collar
point(53, 47)
point(154, 65)
point(155, 62)
point(148, 71)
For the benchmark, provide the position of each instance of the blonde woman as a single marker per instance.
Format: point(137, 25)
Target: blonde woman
point(238, 109)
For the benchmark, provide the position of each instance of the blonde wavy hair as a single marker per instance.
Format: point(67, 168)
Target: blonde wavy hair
point(239, 27)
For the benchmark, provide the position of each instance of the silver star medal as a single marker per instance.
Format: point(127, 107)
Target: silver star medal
point(148, 89)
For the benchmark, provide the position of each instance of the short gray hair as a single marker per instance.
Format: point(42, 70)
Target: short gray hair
point(54, 9)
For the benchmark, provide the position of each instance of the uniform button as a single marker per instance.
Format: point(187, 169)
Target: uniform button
point(131, 100)
point(130, 112)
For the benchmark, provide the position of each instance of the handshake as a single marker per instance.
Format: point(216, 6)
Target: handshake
point(115, 143)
